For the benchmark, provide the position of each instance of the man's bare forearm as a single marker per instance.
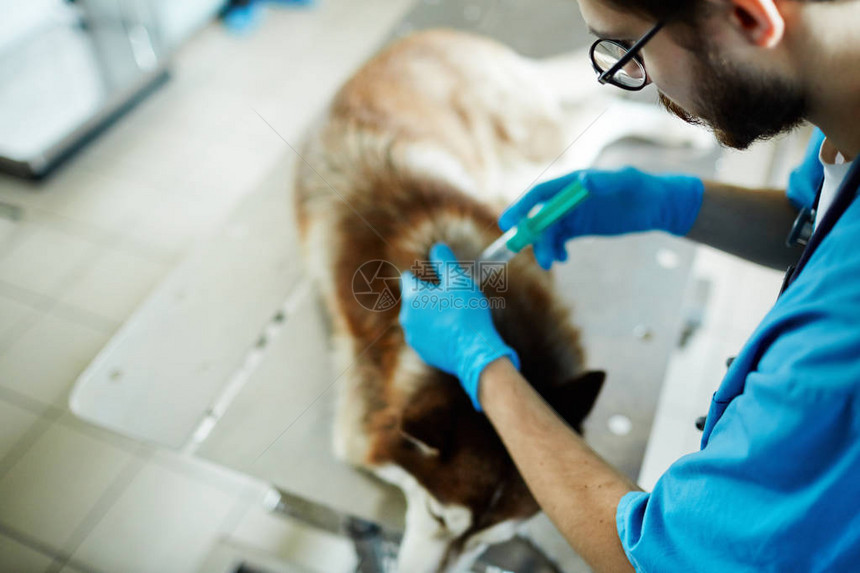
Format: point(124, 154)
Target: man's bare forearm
point(577, 489)
point(749, 223)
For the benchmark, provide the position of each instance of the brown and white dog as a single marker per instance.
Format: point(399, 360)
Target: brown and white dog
point(418, 147)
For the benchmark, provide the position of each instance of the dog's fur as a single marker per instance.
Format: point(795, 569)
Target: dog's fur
point(413, 150)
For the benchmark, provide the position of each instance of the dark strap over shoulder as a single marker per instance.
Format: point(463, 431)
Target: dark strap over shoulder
point(844, 197)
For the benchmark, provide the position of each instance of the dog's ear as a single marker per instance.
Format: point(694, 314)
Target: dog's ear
point(428, 421)
point(574, 398)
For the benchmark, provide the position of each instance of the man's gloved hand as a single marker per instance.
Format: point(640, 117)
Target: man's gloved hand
point(624, 201)
point(449, 325)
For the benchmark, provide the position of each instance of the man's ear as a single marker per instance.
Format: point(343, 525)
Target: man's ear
point(574, 399)
point(760, 21)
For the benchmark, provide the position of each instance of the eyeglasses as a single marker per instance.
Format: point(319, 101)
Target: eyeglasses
point(619, 64)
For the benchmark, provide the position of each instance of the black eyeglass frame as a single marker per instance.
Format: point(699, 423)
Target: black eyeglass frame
point(632, 53)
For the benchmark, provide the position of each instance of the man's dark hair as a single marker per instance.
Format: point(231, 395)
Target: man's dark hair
point(678, 10)
point(682, 10)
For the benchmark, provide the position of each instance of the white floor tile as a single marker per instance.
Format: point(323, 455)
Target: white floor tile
point(71, 569)
point(44, 218)
point(115, 284)
point(18, 558)
point(15, 422)
point(163, 522)
point(68, 419)
point(291, 540)
point(228, 555)
point(169, 257)
point(41, 258)
point(14, 315)
point(49, 491)
point(229, 170)
point(86, 318)
point(153, 155)
point(228, 481)
point(7, 230)
point(173, 222)
point(178, 106)
point(19, 192)
point(45, 361)
point(24, 296)
point(97, 195)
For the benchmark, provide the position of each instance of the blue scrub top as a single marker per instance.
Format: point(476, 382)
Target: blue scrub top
point(776, 484)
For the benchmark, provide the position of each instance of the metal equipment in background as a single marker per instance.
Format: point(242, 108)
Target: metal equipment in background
point(69, 68)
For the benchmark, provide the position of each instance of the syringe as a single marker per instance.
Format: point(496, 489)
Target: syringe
point(530, 228)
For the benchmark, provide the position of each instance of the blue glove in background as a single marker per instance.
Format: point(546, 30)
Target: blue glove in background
point(619, 202)
point(450, 325)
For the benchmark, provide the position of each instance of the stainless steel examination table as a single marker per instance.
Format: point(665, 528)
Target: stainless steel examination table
point(228, 359)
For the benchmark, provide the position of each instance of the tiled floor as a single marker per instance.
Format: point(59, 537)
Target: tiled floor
point(93, 241)
point(97, 237)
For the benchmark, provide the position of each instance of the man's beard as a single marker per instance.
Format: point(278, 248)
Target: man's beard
point(740, 107)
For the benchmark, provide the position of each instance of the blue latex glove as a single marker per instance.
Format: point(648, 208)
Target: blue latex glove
point(619, 202)
point(449, 325)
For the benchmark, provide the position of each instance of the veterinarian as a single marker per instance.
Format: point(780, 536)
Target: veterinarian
point(776, 484)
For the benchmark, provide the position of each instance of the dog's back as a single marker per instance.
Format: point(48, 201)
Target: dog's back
point(410, 154)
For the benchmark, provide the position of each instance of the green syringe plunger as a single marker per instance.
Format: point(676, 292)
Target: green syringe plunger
point(531, 227)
